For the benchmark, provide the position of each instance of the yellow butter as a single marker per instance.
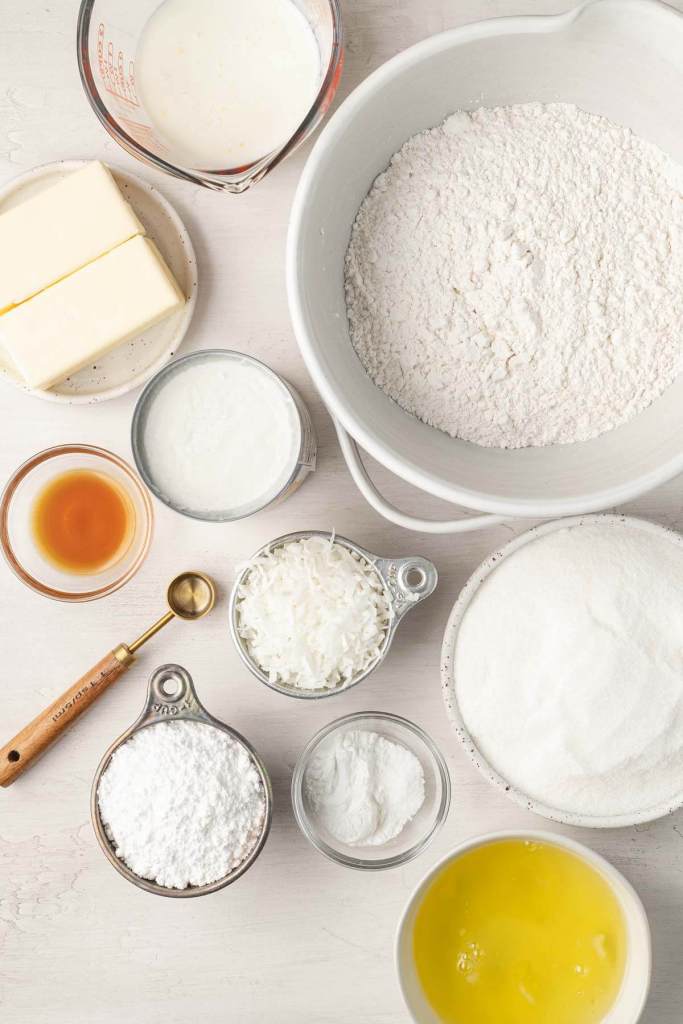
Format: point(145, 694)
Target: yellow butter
point(60, 230)
point(83, 316)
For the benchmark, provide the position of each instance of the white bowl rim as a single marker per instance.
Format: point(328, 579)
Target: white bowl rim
point(412, 473)
point(483, 570)
point(611, 873)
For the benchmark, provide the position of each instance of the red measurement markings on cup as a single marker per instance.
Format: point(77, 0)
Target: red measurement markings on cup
point(116, 79)
point(143, 134)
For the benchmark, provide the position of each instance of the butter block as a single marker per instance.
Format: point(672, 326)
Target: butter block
point(82, 317)
point(60, 230)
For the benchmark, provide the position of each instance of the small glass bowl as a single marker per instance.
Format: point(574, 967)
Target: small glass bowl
point(16, 535)
point(418, 833)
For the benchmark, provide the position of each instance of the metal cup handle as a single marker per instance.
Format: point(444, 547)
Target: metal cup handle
point(171, 694)
point(408, 580)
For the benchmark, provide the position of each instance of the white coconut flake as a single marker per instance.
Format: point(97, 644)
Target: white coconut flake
point(313, 614)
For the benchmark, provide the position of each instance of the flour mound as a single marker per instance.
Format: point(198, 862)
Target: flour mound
point(515, 276)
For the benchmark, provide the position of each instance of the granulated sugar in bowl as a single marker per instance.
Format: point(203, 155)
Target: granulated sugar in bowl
point(563, 670)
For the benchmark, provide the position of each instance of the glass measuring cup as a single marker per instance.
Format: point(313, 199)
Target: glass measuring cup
point(107, 39)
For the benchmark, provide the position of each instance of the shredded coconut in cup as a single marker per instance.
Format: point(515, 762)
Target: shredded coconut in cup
point(312, 614)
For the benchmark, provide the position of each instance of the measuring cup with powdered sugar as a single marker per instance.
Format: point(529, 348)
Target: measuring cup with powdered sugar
point(191, 801)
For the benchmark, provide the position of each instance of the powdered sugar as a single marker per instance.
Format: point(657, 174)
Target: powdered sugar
point(514, 277)
point(363, 787)
point(182, 802)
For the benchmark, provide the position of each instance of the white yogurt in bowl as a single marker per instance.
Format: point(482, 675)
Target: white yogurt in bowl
point(218, 436)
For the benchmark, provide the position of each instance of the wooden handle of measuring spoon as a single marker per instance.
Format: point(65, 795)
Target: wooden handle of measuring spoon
point(34, 739)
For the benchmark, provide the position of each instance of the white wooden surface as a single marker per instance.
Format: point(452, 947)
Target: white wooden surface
point(298, 940)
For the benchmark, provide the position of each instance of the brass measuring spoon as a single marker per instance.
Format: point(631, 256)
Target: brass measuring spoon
point(190, 596)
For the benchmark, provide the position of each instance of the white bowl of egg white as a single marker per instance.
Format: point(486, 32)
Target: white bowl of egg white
point(562, 670)
point(218, 435)
point(489, 952)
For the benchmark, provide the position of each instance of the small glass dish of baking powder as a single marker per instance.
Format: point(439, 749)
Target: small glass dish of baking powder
point(376, 818)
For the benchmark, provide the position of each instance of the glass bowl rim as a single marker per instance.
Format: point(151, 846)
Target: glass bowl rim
point(24, 471)
point(359, 862)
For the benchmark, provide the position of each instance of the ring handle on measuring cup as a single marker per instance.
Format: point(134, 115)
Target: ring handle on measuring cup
point(171, 694)
point(409, 581)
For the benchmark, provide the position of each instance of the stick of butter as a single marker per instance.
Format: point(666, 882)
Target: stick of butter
point(85, 315)
point(60, 230)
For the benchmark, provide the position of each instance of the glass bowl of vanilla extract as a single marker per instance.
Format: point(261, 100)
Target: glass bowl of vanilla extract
point(75, 522)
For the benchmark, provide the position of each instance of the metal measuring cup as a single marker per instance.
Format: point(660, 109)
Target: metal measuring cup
point(171, 696)
point(405, 581)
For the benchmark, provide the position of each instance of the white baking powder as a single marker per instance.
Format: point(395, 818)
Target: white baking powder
point(220, 436)
point(514, 276)
point(182, 802)
point(569, 669)
point(363, 787)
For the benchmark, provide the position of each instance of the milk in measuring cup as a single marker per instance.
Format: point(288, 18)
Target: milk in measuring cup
point(225, 82)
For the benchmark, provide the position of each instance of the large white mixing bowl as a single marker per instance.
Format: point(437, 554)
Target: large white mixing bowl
point(619, 58)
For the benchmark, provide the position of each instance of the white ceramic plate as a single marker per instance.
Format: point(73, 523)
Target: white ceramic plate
point(132, 364)
point(449, 688)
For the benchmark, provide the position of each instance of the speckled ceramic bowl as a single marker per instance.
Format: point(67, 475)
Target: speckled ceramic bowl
point(448, 682)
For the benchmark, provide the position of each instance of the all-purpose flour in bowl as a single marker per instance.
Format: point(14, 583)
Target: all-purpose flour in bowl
point(567, 668)
point(513, 277)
